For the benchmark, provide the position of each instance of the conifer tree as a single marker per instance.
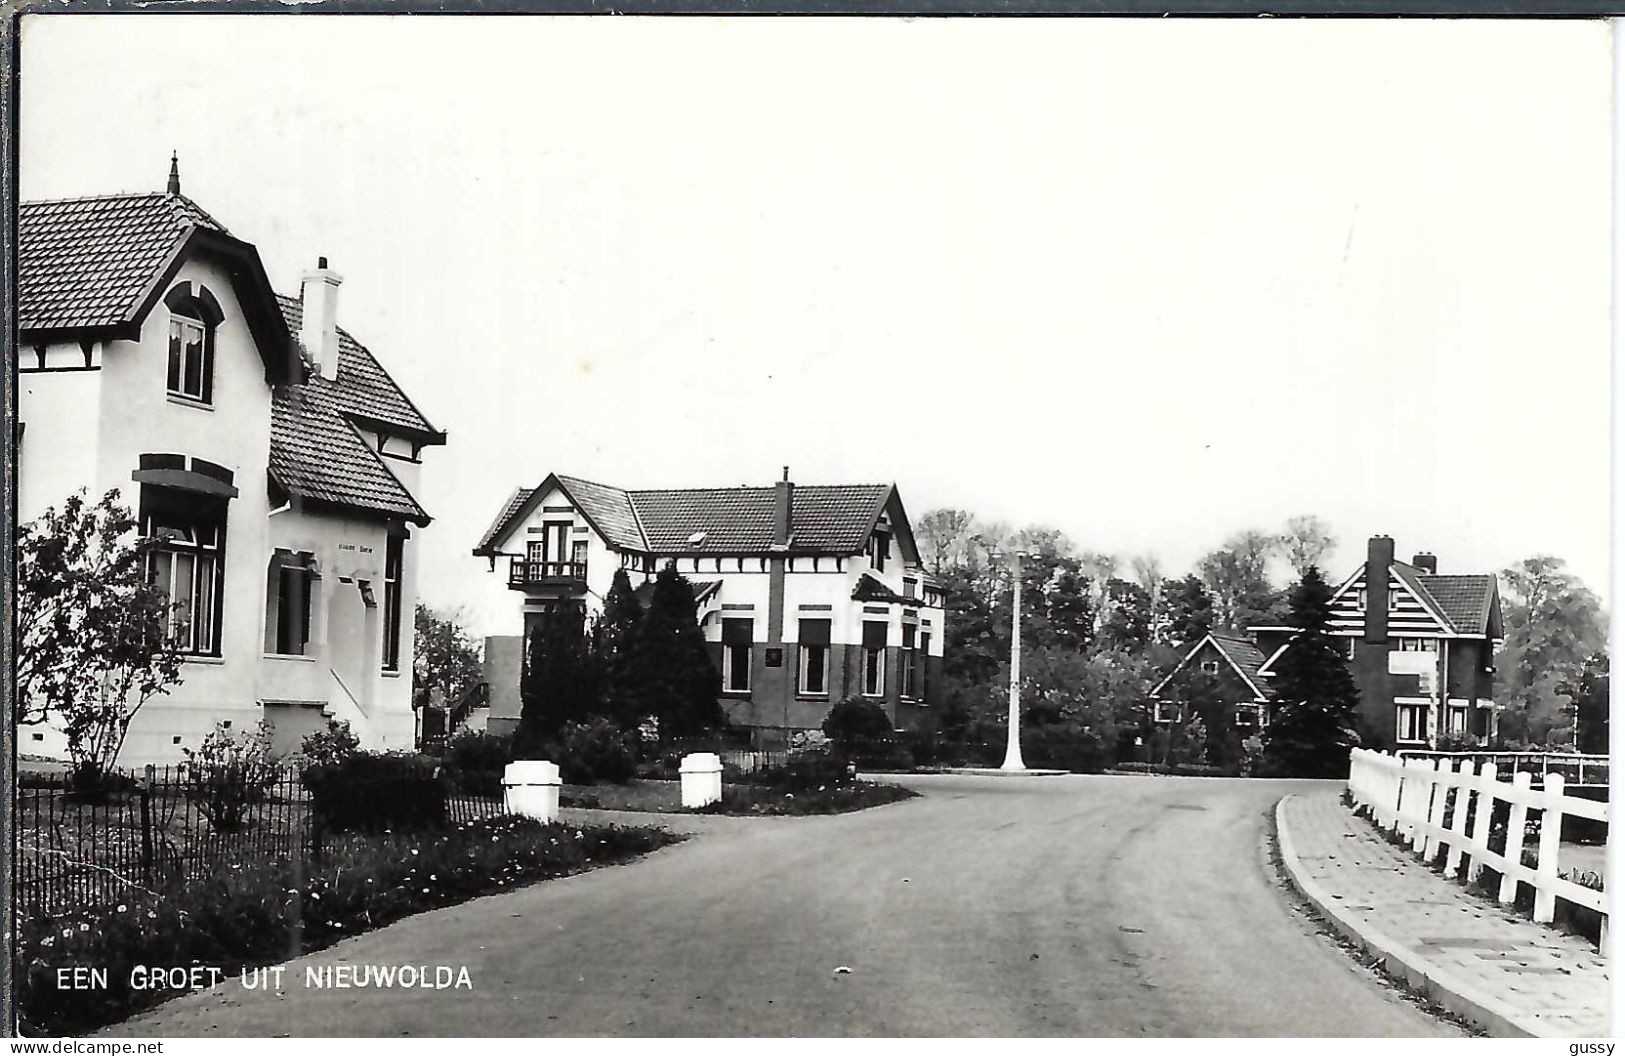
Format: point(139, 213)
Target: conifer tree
point(1313, 725)
point(672, 671)
point(559, 684)
point(614, 643)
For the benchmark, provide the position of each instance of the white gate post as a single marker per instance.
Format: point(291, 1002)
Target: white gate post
point(530, 789)
point(701, 776)
point(1551, 832)
point(1512, 855)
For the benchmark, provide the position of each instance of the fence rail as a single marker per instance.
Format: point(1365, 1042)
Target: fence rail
point(1576, 769)
point(1447, 808)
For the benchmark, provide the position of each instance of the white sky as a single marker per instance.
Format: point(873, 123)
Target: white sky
point(1148, 281)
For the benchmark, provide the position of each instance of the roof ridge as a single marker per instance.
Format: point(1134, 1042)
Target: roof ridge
point(117, 195)
point(594, 483)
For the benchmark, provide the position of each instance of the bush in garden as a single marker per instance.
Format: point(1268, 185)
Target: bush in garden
point(332, 745)
point(595, 751)
point(255, 913)
point(1064, 747)
point(474, 762)
point(229, 774)
point(804, 772)
point(377, 792)
point(860, 730)
point(834, 799)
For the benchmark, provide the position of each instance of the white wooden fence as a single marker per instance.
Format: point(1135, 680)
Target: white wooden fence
point(1410, 796)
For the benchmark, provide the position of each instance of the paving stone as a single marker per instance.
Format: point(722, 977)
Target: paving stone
point(1528, 971)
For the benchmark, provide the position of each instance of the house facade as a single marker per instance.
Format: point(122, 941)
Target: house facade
point(266, 449)
point(1420, 646)
point(806, 594)
point(1233, 662)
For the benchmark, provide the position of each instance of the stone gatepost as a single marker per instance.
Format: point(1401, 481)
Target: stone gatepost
point(701, 775)
point(531, 789)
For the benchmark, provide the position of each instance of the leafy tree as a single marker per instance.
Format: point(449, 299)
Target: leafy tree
point(559, 684)
point(1211, 699)
point(944, 538)
point(674, 677)
point(1069, 610)
point(1313, 725)
point(444, 656)
point(1147, 570)
point(1553, 624)
point(1237, 574)
point(855, 726)
point(1306, 540)
point(614, 643)
point(1127, 626)
point(1591, 705)
point(96, 638)
point(1185, 614)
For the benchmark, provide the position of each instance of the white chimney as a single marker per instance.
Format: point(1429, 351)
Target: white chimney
point(319, 328)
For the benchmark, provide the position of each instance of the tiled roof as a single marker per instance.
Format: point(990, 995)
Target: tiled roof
point(1245, 654)
point(365, 387)
point(870, 587)
point(317, 454)
point(829, 519)
point(1466, 600)
point(609, 508)
point(85, 262)
point(823, 518)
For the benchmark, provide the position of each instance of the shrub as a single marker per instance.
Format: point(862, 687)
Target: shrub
point(840, 799)
point(595, 751)
point(258, 912)
point(229, 774)
point(377, 792)
point(1065, 748)
point(806, 772)
point(856, 725)
point(474, 762)
point(327, 747)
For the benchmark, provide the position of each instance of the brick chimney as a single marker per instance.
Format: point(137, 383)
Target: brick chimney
point(1379, 555)
point(319, 328)
point(783, 500)
point(1426, 563)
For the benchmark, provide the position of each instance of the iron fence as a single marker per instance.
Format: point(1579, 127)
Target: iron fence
point(165, 826)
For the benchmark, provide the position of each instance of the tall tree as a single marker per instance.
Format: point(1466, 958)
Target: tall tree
point(559, 684)
point(1553, 625)
point(1313, 727)
point(944, 538)
point(614, 642)
point(1591, 706)
point(1147, 569)
point(1127, 625)
point(1238, 576)
point(1185, 614)
point(444, 656)
point(676, 680)
point(1305, 542)
point(96, 638)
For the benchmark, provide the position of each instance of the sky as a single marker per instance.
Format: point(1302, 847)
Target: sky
point(1148, 281)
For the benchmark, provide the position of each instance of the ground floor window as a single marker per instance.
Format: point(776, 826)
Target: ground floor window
point(1166, 711)
point(874, 658)
point(813, 664)
point(190, 533)
point(1455, 719)
point(1253, 715)
point(736, 649)
point(292, 583)
point(1411, 722)
point(911, 663)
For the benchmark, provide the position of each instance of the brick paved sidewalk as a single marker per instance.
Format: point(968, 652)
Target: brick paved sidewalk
point(1507, 974)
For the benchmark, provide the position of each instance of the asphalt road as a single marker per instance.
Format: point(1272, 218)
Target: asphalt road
point(1058, 906)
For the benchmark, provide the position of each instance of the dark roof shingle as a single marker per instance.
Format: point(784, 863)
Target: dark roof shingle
point(1465, 600)
point(317, 454)
point(824, 518)
point(1245, 654)
point(84, 262)
point(365, 387)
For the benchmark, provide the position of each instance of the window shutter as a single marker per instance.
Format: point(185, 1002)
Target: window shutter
point(874, 634)
point(737, 632)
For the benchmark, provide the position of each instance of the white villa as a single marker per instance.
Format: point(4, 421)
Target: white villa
point(267, 448)
point(808, 594)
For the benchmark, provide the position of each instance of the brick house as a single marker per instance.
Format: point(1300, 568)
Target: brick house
point(266, 447)
point(806, 594)
point(1234, 661)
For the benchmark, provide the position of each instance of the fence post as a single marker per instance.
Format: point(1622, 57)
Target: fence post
point(1432, 812)
point(146, 827)
point(1551, 833)
point(1407, 797)
point(531, 789)
point(1513, 852)
point(1461, 817)
point(701, 775)
point(1478, 837)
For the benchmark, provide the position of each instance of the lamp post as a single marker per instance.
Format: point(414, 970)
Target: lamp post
point(1012, 748)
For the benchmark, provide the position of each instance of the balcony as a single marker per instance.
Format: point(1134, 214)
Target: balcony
point(539, 575)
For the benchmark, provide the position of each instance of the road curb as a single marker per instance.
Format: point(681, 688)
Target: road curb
point(1399, 963)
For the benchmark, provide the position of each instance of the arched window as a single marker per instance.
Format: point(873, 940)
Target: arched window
point(193, 315)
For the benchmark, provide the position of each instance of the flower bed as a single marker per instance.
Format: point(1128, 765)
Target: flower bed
point(256, 913)
point(835, 799)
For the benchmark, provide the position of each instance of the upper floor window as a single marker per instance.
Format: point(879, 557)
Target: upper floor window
point(1210, 667)
point(911, 587)
point(193, 316)
point(879, 547)
point(1418, 645)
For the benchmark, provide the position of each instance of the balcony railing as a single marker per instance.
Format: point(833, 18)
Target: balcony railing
point(526, 573)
